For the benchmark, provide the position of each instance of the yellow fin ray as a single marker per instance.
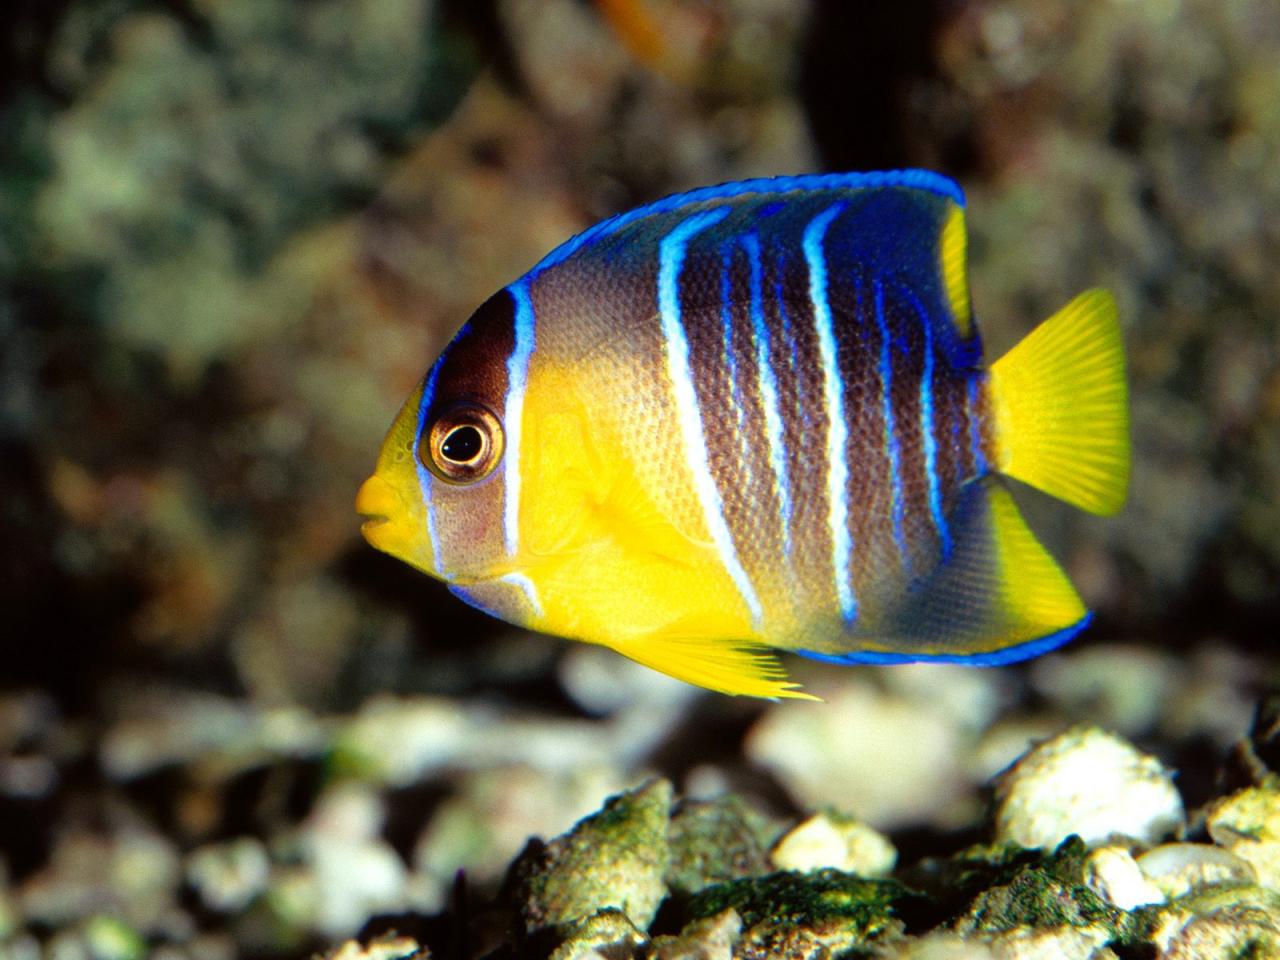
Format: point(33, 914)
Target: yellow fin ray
point(1061, 406)
point(955, 269)
point(1034, 590)
point(740, 668)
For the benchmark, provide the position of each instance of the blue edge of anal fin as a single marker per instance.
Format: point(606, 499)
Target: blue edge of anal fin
point(992, 658)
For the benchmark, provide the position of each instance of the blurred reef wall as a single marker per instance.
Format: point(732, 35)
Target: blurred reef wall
point(234, 232)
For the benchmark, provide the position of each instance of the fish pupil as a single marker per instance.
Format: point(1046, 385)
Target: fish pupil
point(462, 445)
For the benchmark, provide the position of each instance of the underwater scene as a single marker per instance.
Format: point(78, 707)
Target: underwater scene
point(672, 479)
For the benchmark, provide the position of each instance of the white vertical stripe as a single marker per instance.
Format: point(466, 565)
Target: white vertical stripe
point(517, 380)
point(425, 480)
point(930, 440)
point(768, 389)
point(671, 253)
point(837, 429)
point(526, 586)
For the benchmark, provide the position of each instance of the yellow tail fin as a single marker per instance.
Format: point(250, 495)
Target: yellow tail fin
point(1061, 406)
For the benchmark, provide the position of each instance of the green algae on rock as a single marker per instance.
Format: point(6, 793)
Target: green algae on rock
point(616, 858)
point(1044, 892)
point(823, 909)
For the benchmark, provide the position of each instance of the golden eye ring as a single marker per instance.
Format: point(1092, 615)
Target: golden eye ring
point(463, 444)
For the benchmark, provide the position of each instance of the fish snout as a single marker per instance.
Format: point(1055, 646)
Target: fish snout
point(377, 502)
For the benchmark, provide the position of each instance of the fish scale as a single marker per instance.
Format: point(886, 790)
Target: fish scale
point(756, 415)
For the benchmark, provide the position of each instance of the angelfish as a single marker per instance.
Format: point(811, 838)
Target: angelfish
point(756, 416)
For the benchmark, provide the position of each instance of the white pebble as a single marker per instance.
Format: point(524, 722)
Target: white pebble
point(826, 840)
point(1090, 783)
point(1113, 874)
point(1179, 868)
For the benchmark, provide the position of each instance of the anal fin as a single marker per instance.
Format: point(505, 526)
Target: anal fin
point(689, 654)
point(1000, 597)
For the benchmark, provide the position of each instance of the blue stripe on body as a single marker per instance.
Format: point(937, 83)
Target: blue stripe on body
point(991, 658)
point(671, 252)
point(914, 179)
point(892, 444)
point(513, 418)
point(769, 389)
point(464, 593)
point(927, 434)
point(837, 428)
point(425, 479)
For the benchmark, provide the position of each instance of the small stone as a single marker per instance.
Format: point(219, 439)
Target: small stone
point(1061, 943)
point(1253, 935)
point(400, 741)
point(836, 841)
point(712, 938)
point(1181, 868)
point(1004, 742)
point(491, 815)
point(353, 872)
point(1113, 874)
point(133, 874)
point(228, 876)
point(1089, 783)
point(940, 946)
point(1216, 922)
point(389, 947)
point(1118, 686)
point(108, 938)
point(607, 935)
point(713, 841)
point(905, 766)
point(1247, 823)
point(614, 858)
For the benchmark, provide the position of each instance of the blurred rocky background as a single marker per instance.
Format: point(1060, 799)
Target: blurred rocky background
point(233, 234)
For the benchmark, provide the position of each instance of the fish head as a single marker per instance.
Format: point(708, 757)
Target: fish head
point(451, 476)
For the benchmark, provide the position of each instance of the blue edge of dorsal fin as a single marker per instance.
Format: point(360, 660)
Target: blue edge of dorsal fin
point(992, 658)
point(915, 179)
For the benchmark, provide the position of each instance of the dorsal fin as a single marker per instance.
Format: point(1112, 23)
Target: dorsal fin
point(767, 188)
point(904, 229)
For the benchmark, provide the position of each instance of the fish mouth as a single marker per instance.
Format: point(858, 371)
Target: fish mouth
point(375, 498)
point(378, 502)
point(372, 523)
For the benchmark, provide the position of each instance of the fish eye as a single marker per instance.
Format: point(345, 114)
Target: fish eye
point(463, 444)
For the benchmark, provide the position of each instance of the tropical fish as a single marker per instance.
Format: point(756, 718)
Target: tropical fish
point(757, 416)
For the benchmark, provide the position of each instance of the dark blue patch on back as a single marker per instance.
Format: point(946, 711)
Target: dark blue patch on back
point(914, 179)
